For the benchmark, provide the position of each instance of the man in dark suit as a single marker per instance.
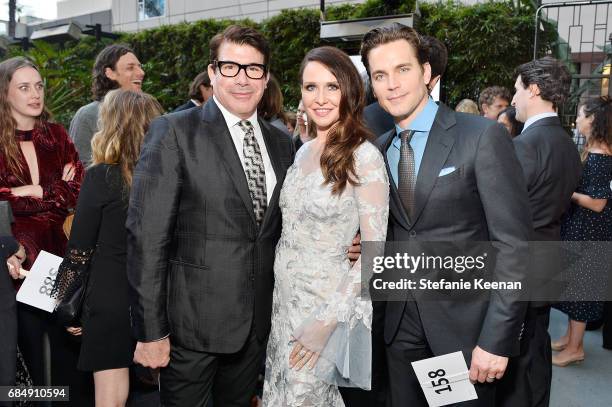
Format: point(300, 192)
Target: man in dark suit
point(453, 178)
point(203, 224)
point(551, 166)
point(200, 90)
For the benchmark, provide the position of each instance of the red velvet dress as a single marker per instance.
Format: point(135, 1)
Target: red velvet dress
point(38, 222)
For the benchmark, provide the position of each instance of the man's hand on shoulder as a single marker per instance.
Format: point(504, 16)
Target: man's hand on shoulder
point(486, 367)
point(153, 354)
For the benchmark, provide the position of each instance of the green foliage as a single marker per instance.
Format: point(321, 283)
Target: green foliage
point(485, 41)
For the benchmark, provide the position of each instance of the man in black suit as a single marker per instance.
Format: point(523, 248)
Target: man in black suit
point(551, 166)
point(453, 178)
point(200, 90)
point(203, 224)
point(376, 118)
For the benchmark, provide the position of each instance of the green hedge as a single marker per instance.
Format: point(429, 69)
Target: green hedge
point(485, 41)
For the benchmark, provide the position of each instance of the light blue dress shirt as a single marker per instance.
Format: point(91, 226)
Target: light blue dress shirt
point(422, 125)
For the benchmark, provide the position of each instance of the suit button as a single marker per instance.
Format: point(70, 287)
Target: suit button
point(413, 233)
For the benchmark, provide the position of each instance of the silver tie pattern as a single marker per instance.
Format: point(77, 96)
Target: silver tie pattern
point(406, 173)
point(254, 170)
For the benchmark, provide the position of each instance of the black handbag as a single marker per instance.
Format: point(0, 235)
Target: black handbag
point(70, 287)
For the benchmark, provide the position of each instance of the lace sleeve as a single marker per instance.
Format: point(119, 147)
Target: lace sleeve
point(71, 273)
point(341, 328)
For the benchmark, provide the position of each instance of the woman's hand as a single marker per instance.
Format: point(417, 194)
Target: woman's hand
point(76, 331)
point(300, 356)
point(68, 172)
point(34, 191)
point(14, 262)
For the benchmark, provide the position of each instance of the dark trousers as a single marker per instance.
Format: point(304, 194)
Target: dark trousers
point(528, 377)
point(8, 332)
point(407, 347)
point(192, 377)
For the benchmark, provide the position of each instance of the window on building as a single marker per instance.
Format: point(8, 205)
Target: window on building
point(151, 8)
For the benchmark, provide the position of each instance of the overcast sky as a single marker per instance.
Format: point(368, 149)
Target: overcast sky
point(38, 8)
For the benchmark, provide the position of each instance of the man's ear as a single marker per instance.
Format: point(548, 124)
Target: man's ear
point(110, 74)
point(426, 73)
point(534, 90)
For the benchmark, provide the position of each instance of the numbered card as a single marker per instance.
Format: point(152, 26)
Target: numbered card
point(445, 379)
point(36, 288)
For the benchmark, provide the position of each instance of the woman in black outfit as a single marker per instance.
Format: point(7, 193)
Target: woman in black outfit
point(98, 243)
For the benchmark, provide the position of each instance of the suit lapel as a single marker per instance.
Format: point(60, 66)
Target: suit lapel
point(439, 144)
point(395, 204)
point(273, 149)
point(222, 139)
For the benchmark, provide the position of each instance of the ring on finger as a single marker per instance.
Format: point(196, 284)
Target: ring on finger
point(302, 353)
point(490, 379)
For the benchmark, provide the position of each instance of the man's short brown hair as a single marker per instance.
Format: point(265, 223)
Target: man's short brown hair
point(390, 33)
point(488, 95)
point(241, 36)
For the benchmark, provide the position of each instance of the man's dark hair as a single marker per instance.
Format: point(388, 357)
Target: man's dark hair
point(437, 55)
point(552, 77)
point(194, 88)
point(390, 33)
point(488, 95)
point(107, 58)
point(241, 36)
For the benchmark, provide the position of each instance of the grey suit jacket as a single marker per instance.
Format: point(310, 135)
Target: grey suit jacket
point(484, 199)
point(200, 268)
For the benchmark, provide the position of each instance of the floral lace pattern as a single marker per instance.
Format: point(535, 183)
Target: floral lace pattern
point(315, 285)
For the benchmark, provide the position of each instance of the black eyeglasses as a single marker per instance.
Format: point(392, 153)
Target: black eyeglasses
point(230, 69)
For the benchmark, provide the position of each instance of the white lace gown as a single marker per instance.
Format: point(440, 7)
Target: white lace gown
point(317, 294)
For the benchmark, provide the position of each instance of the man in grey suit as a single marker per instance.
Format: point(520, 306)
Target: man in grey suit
point(203, 224)
point(552, 168)
point(454, 178)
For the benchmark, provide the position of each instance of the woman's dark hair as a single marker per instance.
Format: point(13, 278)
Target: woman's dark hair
point(601, 127)
point(337, 160)
point(107, 58)
point(516, 127)
point(271, 104)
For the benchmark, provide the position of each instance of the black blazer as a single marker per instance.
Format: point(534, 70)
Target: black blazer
point(185, 106)
point(201, 270)
point(552, 169)
point(482, 200)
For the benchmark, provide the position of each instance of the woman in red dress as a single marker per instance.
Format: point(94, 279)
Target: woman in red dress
point(40, 175)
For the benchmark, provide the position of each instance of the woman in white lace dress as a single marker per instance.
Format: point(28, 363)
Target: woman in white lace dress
point(321, 325)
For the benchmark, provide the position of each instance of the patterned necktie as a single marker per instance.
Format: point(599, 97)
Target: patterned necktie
point(254, 170)
point(407, 173)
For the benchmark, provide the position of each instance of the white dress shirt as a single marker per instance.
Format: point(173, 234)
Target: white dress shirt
point(238, 138)
point(537, 117)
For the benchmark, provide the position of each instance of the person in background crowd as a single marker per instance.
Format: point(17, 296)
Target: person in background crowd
point(13, 253)
point(551, 168)
point(507, 117)
point(291, 121)
point(98, 244)
point(467, 106)
point(376, 118)
point(270, 107)
point(493, 100)
point(589, 219)
point(200, 90)
point(320, 324)
point(40, 176)
point(436, 156)
point(116, 66)
point(303, 131)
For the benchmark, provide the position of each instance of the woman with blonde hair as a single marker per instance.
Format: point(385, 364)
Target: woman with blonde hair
point(97, 245)
point(40, 176)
